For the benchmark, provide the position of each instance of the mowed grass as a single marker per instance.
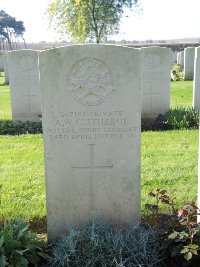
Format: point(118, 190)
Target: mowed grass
point(5, 102)
point(169, 161)
point(181, 94)
point(22, 181)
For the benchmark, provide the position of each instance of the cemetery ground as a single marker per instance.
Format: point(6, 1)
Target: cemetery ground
point(169, 161)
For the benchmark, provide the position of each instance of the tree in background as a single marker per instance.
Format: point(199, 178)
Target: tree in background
point(82, 19)
point(10, 30)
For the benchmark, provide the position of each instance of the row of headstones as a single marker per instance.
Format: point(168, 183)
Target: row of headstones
point(91, 115)
point(186, 60)
point(4, 66)
point(189, 59)
point(25, 93)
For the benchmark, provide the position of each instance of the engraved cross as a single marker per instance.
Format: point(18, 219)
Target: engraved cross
point(151, 94)
point(92, 168)
point(29, 95)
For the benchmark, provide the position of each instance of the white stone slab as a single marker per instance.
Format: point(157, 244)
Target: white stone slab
point(175, 57)
point(181, 59)
point(91, 102)
point(1, 62)
point(189, 53)
point(198, 190)
point(156, 74)
point(24, 85)
point(196, 83)
point(5, 66)
point(178, 58)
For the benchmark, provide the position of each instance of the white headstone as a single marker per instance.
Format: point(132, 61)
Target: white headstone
point(196, 83)
point(156, 75)
point(175, 57)
point(24, 85)
point(198, 190)
point(189, 63)
point(1, 62)
point(181, 59)
point(178, 58)
point(91, 102)
point(5, 66)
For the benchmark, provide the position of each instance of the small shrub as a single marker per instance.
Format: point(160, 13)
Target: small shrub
point(181, 238)
point(16, 128)
point(183, 243)
point(99, 244)
point(19, 247)
point(177, 73)
point(178, 118)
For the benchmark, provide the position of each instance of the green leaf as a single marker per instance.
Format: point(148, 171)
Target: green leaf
point(1, 241)
point(22, 262)
point(21, 252)
point(188, 256)
point(173, 235)
point(22, 231)
point(184, 250)
point(3, 261)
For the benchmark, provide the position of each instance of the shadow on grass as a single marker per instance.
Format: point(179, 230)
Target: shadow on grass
point(16, 128)
point(39, 225)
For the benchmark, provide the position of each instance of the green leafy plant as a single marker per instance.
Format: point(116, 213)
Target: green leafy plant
point(165, 222)
point(185, 240)
point(181, 237)
point(177, 73)
point(178, 118)
point(100, 244)
point(19, 247)
point(16, 128)
point(160, 196)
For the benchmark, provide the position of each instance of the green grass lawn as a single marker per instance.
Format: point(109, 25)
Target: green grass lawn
point(169, 161)
point(5, 104)
point(181, 94)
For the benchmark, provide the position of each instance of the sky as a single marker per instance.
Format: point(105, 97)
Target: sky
point(159, 20)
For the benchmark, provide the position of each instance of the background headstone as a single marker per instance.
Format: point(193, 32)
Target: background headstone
point(175, 53)
point(91, 103)
point(178, 58)
point(156, 74)
point(24, 85)
point(181, 59)
point(189, 53)
point(5, 66)
point(198, 190)
point(1, 62)
point(196, 83)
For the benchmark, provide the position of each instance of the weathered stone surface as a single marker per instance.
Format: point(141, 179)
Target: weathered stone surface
point(24, 85)
point(91, 102)
point(182, 59)
point(196, 83)
point(1, 62)
point(5, 66)
point(156, 73)
point(189, 63)
point(175, 53)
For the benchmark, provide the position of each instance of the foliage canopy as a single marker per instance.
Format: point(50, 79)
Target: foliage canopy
point(10, 29)
point(82, 19)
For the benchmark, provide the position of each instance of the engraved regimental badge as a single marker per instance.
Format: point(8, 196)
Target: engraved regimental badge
point(26, 62)
point(90, 81)
point(152, 60)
